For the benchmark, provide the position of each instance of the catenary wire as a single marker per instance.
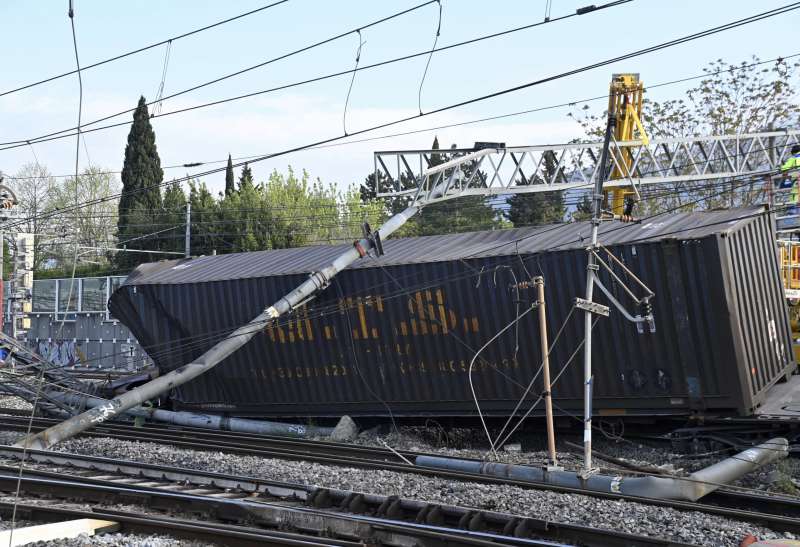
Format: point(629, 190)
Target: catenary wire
point(729, 26)
point(650, 49)
point(264, 63)
point(60, 133)
point(428, 62)
point(144, 48)
point(460, 124)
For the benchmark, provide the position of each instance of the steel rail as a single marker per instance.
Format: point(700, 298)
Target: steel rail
point(396, 522)
point(776, 512)
point(132, 523)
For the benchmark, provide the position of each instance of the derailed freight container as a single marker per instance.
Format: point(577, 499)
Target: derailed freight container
point(397, 333)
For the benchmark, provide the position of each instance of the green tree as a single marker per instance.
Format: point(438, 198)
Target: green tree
point(389, 206)
point(94, 225)
point(584, 208)
point(204, 238)
point(173, 219)
point(141, 192)
point(229, 187)
point(458, 215)
point(541, 207)
point(246, 176)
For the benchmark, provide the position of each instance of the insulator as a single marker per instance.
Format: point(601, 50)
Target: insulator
point(627, 213)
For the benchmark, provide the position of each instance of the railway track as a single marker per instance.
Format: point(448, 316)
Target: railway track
point(264, 506)
point(776, 512)
point(129, 523)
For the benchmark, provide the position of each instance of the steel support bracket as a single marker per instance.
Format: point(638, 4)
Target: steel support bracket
point(373, 237)
point(592, 307)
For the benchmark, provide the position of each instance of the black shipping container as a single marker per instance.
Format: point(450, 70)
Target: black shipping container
point(398, 332)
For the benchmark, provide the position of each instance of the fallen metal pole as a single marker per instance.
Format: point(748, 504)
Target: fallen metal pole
point(690, 488)
point(548, 398)
point(211, 358)
point(205, 421)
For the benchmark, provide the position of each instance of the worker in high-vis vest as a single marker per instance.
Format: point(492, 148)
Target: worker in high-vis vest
point(793, 163)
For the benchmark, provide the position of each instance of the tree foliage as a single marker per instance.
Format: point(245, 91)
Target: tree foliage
point(283, 211)
point(34, 185)
point(140, 205)
point(173, 219)
point(229, 184)
point(46, 206)
point(541, 207)
point(94, 224)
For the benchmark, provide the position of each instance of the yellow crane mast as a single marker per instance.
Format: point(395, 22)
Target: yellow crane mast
point(625, 99)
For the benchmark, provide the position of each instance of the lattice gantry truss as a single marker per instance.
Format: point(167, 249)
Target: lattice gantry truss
point(433, 175)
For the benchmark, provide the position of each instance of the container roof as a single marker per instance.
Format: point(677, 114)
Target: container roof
point(416, 250)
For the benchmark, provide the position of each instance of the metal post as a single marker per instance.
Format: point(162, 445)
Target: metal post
point(771, 146)
point(188, 242)
point(548, 397)
point(768, 180)
point(591, 268)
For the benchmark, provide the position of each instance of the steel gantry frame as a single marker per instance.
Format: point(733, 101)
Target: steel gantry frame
point(496, 169)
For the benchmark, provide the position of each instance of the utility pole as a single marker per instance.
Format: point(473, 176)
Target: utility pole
point(591, 268)
point(188, 243)
point(548, 396)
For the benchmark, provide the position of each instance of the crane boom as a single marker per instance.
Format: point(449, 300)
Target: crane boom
point(625, 98)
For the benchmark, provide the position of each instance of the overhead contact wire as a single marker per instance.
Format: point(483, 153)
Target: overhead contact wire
point(428, 62)
point(145, 48)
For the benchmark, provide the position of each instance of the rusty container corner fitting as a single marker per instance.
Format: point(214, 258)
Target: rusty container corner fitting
point(401, 329)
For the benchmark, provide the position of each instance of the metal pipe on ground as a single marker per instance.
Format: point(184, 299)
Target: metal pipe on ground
point(690, 488)
point(211, 358)
point(204, 421)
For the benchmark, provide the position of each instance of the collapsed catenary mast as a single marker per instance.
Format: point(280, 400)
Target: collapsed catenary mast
point(238, 338)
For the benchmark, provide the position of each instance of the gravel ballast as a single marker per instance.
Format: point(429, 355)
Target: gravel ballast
point(689, 527)
point(12, 401)
point(84, 540)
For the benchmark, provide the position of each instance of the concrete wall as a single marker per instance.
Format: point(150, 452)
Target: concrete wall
point(90, 337)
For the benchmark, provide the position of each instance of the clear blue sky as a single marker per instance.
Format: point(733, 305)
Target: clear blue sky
point(37, 43)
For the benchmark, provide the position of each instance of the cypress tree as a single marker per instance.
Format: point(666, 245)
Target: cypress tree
point(142, 175)
point(436, 159)
point(229, 187)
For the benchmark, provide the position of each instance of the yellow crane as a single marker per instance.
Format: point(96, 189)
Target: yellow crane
point(625, 99)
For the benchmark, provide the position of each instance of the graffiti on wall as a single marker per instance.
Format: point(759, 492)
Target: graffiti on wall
point(61, 352)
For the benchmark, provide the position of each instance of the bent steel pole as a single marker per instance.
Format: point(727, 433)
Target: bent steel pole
point(204, 421)
point(690, 488)
point(211, 358)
